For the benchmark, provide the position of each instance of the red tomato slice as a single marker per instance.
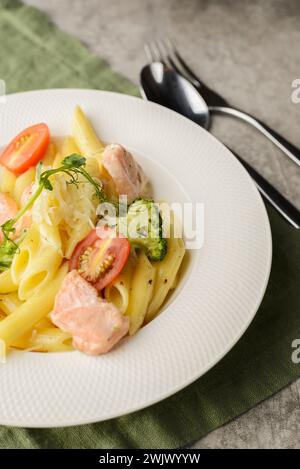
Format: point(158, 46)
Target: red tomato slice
point(100, 260)
point(26, 149)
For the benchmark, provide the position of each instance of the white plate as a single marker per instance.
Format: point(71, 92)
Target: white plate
point(219, 295)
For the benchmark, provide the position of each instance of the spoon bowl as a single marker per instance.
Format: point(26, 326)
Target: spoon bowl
point(165, 86)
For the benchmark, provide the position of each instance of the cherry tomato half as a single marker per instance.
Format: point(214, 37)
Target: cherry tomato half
point(100, 260)
point(26, 149)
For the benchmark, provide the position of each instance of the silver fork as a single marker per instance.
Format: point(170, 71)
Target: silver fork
point(165, 51)
point(157, 87)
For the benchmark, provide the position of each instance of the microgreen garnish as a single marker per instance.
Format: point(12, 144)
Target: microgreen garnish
point(72, 166)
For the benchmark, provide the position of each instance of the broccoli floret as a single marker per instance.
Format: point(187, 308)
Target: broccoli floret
point(144, 228)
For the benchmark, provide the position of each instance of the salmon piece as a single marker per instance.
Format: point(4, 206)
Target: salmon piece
point(8, 210)
point(126, 173)
point(74, 292)
point(95, 324)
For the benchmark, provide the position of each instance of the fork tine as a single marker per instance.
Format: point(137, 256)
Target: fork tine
point(161, 44)
point(184, 66)
point(149, 53)
point(164, 51)
point(168, 50)
point(153, 52)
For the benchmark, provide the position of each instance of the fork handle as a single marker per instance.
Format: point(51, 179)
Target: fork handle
point(284, 145)
point(288, 211)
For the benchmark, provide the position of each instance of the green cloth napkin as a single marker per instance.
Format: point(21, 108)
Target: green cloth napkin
point(35, 54)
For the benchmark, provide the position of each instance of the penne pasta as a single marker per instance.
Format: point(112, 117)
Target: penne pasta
point(118, 291)
point(35, 264)
point(7, 285)
point(68, 147)
point(86, 138)
point(57, 160)
point(7, 181)
point(23, 181)
point(10, 303)
point(166, 272)
point(140, 292)
point(44, 323)
point(49, 156)
point(40, 271)
point(27, 248)
point(46, 339)
point(31, 311)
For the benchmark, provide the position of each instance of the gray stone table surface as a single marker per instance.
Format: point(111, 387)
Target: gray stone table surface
point(250, 52)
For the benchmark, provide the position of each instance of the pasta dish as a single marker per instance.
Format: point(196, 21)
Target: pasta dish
point(87, 256)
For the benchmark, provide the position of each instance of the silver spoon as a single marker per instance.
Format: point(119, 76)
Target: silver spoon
point(163, 85)
point(164, 50)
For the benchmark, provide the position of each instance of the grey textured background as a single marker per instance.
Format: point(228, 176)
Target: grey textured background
point(249, 51)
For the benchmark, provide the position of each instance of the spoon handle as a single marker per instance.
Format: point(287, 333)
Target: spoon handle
point(288, 211)
point(284, 145)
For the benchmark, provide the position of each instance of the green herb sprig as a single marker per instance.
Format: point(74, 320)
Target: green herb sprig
point(73, 166)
